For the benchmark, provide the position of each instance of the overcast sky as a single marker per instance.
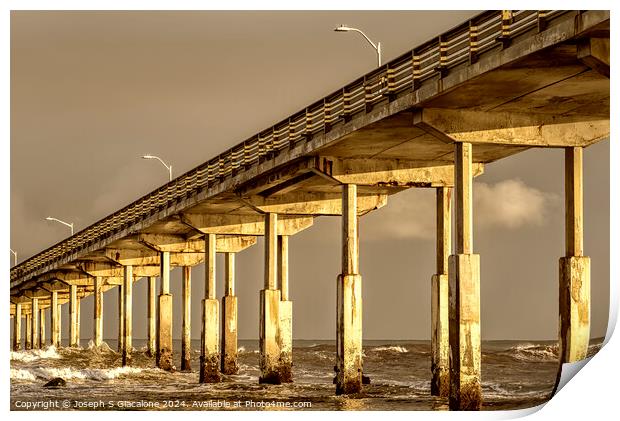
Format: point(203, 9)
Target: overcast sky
point(93, 91)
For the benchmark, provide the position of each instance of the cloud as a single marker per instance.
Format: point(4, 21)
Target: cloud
point(511, 204)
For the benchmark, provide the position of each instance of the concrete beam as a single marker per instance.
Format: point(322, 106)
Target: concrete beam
point(179, 244)
point(594, 53)
point(243, 224)
point(506, 128)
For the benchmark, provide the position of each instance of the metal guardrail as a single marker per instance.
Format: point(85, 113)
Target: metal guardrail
point(405, 73)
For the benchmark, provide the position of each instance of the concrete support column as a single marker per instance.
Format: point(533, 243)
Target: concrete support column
point(269, 319)
point(164, 319)
point(35, 324)
point(55, 314)
point(42, 328)
point(574, 307)
point(440, 345)
point(464, 294)
point(78, 313)
point(17, 328)
point(28, 344)
point(98, 312)
point(128, 313)
point(229, 318)
point(73, 313)
point(210, 340)
point(286, 313)
point(151, 342)
point(121, 317)
point(349, 300)
point(186, 340)
point(59, 324)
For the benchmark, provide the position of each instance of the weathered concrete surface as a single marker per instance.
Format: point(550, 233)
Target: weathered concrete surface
point(55, 315)
point(59, 324)
point(35, 323)
point(28, 343)
point(121, 318)
point(98, 312)
point(210, 352)
point(128, 313)
point(186, 339)
point(151, 342)
point(164, 334)
point(73, 317)
point(42, 337)
point(285, 337)
point(349, 334)
point(229, 335)
point(465, 352)
point(17, 328)
point(269, 324)
point(574, 308)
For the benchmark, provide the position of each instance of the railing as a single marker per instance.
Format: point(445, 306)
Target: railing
point(405, 73)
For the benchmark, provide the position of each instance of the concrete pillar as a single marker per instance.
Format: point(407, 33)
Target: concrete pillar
point(78, 317)
point(73, 313)
point(17, 328)
point(55, 314)
point(128, 313)
point(59, 324)
point(186, 340)
point(286, 313)
point(164, 333)
point(35, 324)
point(440, 345)
point(209, 339)
point(229, 318)
point(349, 300)
point(269, 320)
point(574, 307)
point(42, 328)
point(121, 317)
point(98, 312)
point(151, 342)
point(28, 333)
point(464, 294)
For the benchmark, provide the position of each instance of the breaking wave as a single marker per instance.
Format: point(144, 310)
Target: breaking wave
point(531, 352)
point(35, 354)
point(392, 348)
point(48, 373)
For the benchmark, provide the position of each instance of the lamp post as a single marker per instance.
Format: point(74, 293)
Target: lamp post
point(168, 167)
point(70, 225)
point(377, 46)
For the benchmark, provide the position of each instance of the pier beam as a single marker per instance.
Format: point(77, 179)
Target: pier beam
point(229, 318)
point(35, 323)
point(464, 294)
point(210, 341)
point(574, 307)
point(42, 328)
point(128, 313)
point(28, 343)
point(349, 300)
point(440, 345)
point(17, 328)
point(286, 313)
point(269, 318)
point(73, 313)
point(98, 312)
point(55, 314)
point(121, 318)
point(151, 341)
point(186, 340)
point(164, 333)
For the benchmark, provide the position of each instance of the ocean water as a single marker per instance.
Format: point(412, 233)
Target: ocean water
point(515, 374)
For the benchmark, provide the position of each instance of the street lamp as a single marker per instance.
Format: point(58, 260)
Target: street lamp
point(14, 257)
point(49, 218)
point(168, 167)
point(377, 46)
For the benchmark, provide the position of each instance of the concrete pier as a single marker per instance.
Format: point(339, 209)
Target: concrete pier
point(42, 337)
point(164, 333)
point(349, 300)
point(59, 324)
point(98, 312)
point(55, 322)
point(121, 318)
point(286, 313)
point(35, 323)
point(440, 345)
point(269, 318)
point(464, 294)
point(186, 339)
point(73, 317)
point(17, 328)
point(229, 318)
point(128, 312)
point(78, 317)
point(210, 346)
point(574, 294)
point(151, 330)
point(28, 333)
